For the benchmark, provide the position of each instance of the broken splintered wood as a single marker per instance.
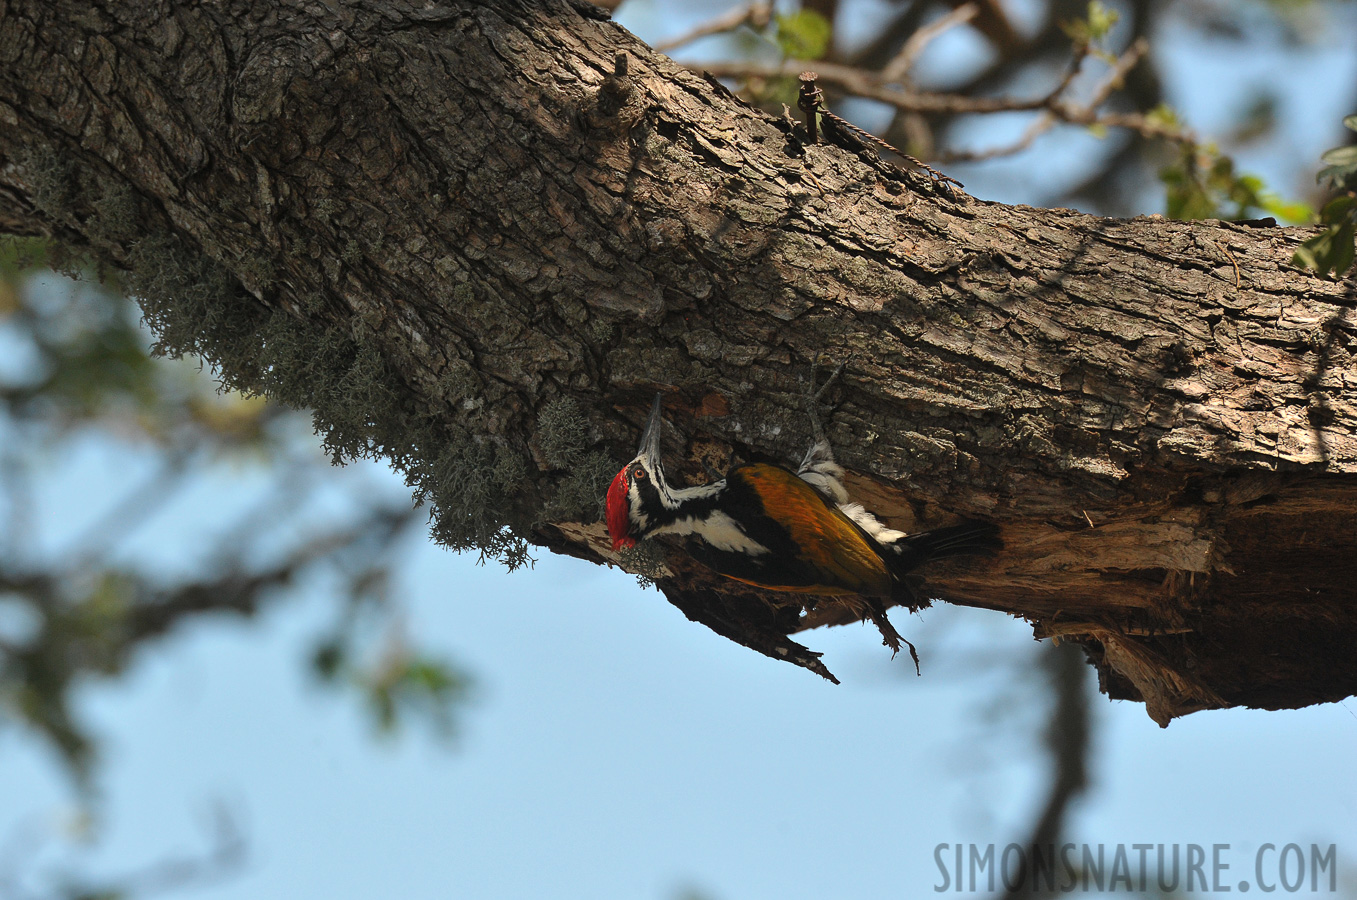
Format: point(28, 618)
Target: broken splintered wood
point(615, 91)
point(807, 659)
point(735, 617)
point(1168, 692)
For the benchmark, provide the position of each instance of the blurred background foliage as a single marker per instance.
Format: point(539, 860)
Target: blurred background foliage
point(1055, 103)
point(78, 605)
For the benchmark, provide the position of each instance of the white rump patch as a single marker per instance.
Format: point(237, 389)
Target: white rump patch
point(869, 523)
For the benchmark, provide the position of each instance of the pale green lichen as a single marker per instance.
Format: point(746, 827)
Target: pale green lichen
point(116, 217)
point(645, 561)
point(52, 182)
point(563, 437)
point(470, 484)
point(192, 303)
point(257, 271)
point(308, 358)
point(458, 382)
point(580, 494)
point(325, 209)
point(602, 331)
point(362, 407)
point(562, 432)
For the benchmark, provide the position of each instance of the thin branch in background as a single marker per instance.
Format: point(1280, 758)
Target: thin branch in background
point(137, 506)
point(993, 22)
point(242, 590)
point(225, 856)
point(1049, 117)
point(1068, 739)
point(1081, 52)
point(291, 486)
point(869, 85)
point(22, 844)
point(222, 858)
point(898, 68)
point(18, 498)
point(878, 51)
point(1059, 111)
point(755, 15)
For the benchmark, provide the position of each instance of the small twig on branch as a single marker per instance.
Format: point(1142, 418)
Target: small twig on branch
point(899, 67)
point(1081, 52)
point(871, 86)
point(755, 15)
point(811, 100)
point(1234, 262)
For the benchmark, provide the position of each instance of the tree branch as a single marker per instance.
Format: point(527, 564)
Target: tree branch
point(433, 224)
point(755, 15)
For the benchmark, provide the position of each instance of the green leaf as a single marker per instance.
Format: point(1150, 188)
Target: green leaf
point(1339, 177)
point(328, 659)
point(1094, 27)
point(1341, 172)
point(1329, 251)
point(1340, 156)
point(1338, 209)
point(1204, 184)
point(1293, 212)
point(1164, 116)
point(804, 34)
point(1101, 19)
point(1342, 169)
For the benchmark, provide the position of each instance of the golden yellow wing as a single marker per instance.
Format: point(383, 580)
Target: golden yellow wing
point(831, 554)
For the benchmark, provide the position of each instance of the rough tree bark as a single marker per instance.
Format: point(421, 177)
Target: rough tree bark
point(463, 199)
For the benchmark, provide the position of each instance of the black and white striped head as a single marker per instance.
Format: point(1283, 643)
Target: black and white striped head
point(639, 496)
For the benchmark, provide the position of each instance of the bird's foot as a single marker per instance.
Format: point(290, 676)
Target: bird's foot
point(814, 394)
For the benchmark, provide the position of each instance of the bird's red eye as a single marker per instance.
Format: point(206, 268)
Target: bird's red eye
point(638, 473)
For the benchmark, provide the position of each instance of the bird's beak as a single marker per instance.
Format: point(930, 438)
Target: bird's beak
point(649, 451)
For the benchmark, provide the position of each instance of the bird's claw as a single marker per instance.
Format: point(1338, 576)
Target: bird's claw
point(813, 395)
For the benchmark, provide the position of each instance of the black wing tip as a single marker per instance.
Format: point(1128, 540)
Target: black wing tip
point(974, 538)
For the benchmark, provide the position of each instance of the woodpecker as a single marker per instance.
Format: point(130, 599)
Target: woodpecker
point(773, 528)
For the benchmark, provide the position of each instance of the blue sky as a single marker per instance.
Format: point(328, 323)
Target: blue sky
point(616, 750)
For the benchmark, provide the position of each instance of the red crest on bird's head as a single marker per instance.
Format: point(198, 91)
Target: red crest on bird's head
point(619, 512)
point(619, 492)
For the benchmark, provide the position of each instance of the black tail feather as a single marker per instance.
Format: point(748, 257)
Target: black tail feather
point(966, 539)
